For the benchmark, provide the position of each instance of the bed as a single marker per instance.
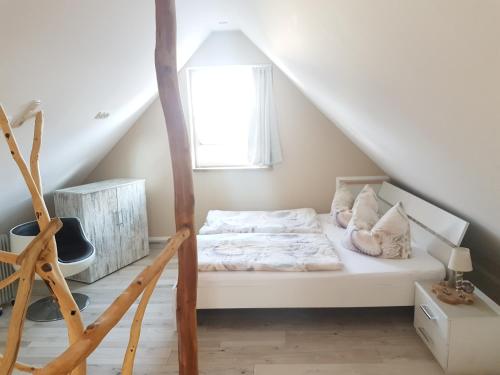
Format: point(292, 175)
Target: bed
point(362, 281)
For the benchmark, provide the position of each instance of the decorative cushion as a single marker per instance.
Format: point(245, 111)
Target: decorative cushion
point(343, 218)
point(364, 241)
point(341, 206)
point(393, 233)
point(365, 209)
point(364, 216)
point(343, 199)
point(389, 238)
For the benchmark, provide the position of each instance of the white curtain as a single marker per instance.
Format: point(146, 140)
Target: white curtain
point(264, 146)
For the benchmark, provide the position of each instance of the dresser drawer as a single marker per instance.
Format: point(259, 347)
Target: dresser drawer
point(430, 317)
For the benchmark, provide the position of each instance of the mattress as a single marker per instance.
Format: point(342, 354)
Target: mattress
point(363, 281)
point(292, 252)
point(302, 220)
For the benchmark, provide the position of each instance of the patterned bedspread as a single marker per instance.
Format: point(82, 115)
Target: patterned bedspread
point(266, 252)
point(302, 220)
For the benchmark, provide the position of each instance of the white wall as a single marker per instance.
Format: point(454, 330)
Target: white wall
point(315, 152)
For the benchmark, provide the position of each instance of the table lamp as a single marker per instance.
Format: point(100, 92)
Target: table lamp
point(460, 262)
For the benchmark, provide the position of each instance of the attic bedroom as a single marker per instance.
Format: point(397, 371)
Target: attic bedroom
point(249, 187)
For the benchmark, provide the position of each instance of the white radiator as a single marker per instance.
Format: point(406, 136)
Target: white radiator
point(8, 293)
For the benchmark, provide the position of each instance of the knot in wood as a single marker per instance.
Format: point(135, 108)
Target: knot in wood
point(46, 267)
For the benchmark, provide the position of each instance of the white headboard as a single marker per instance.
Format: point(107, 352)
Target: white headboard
point(450, 227)
point(432, 228)
point(355, 184)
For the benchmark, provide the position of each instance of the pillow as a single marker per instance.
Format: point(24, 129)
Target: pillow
point(389, 238)
point(341, 206)
point(343, 218)
point(364, 214)
point(393, 233)
point(342, 200)
point(365, 209)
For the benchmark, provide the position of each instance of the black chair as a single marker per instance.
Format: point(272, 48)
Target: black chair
point(75, 253)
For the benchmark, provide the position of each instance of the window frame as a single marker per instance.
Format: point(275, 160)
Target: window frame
point(194, 141)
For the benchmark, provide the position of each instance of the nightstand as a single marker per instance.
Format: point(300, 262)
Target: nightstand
point(464, 339)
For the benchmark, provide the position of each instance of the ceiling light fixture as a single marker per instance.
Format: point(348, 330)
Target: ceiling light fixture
point(101, 115)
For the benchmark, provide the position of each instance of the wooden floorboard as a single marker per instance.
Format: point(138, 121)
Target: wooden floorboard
point(235, 342)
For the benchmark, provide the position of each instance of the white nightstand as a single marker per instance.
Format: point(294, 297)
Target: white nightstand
point(465, 339)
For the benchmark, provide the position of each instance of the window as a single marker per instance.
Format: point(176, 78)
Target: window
point(225, 113)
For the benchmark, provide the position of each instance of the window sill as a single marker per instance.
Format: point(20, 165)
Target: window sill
point(248, 168)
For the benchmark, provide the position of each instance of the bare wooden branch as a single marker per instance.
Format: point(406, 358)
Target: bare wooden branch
point(53, 278)
point(35, 151)
point(168, 88)
point(21, 366)
point(26, 279)
point(135, 330)
point(10, 279)
point(95, 332)
point(41, 212)
point(8, 257)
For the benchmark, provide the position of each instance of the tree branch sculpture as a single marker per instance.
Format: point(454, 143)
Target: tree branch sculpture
point(40, 256)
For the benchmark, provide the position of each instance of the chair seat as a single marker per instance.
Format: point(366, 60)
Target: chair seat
point(72, 244)
point(74, 252)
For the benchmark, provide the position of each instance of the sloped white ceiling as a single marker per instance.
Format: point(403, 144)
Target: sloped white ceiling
point(414, 83)
point(78, 58)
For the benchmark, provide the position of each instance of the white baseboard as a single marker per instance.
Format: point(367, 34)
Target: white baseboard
point(160, 239)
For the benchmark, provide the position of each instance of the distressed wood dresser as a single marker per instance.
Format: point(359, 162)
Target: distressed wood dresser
point(113, 215)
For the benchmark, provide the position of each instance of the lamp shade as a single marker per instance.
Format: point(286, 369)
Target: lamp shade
point(460, 260)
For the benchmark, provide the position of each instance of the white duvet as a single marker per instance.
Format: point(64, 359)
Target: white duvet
point(266, 252)
point(302, 220)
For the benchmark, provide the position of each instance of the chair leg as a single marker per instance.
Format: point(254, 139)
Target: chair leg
point(47, 310)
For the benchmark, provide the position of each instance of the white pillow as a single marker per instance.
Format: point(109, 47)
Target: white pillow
point(341, 206)
point(364, 214)
point(389, 238)
point(343, 218)
point(366, 207)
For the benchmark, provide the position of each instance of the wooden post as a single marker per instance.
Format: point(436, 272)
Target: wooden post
point(168, 87)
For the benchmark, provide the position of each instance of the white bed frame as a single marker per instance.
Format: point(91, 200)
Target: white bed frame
point(433, 229)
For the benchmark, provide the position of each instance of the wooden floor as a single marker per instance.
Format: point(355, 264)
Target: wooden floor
point(260, 342)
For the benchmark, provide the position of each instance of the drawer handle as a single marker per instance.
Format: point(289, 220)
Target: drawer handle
point(428, 312)
point(424, 335)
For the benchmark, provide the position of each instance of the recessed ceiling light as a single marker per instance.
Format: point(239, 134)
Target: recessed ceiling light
point(223, 22)
point(101, 115)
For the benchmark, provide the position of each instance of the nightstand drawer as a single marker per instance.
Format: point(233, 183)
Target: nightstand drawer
point(430, 316)
point(434, 342)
